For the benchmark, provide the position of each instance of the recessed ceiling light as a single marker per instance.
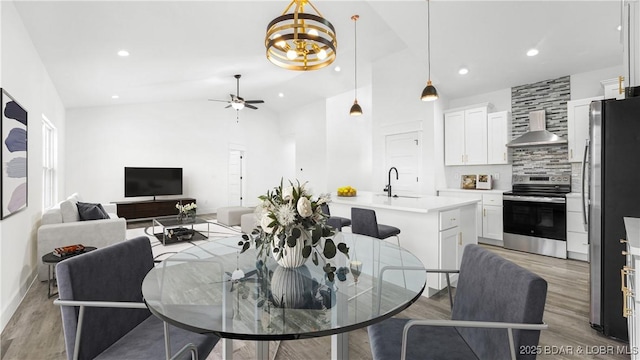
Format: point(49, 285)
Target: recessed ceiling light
point(619, 28)
point(337, 69)
point(123, 53)
point(532, 52)
point(115, 96)
point(463, 71)
point(280, 94)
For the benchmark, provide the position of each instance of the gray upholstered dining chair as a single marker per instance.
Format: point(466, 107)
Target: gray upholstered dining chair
point(336, 222)
point(364, 222)
point(497, 313)
point(103, 314)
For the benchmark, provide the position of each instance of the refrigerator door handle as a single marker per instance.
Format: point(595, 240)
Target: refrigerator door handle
point(585, 221)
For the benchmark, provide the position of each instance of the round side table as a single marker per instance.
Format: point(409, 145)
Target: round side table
point(52, 260)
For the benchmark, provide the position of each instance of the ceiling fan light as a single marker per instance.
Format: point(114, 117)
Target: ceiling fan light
point(429, 93)
point(237, 105)
point(356, 110)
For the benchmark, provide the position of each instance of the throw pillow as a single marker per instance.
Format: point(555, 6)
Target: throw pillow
point(88, 211)
point(69, 211)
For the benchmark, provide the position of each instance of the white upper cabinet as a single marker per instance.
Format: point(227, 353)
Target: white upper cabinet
point(465, 136)
point(578, 127)
point(613, 88)
point(454, 138)
point(498, 133)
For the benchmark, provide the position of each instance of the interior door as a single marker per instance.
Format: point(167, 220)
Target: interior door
point(235, 177)
point(404, 152)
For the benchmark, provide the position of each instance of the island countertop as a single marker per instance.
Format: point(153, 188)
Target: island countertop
point(422, 204)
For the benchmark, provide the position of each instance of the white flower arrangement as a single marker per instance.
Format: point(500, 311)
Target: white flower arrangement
point(186, 209)
point(283, 215)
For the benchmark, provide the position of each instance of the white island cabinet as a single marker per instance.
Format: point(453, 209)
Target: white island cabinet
point(433, 228)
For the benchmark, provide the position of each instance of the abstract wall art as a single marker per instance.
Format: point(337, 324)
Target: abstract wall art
point(13, 127)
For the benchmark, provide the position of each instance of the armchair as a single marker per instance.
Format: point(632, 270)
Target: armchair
point(103, 314)
point(497, 311)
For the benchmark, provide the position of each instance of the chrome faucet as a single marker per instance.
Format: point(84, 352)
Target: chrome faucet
point(388, 187)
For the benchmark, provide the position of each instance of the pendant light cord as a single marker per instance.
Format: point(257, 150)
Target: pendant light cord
point(355, 55)
point(429, 39)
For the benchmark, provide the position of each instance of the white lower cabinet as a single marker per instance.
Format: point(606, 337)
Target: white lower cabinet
point(577, 236)
point(489, 213)
point(449, 241)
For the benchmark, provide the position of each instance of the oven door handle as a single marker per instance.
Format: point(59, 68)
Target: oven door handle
point(538, 199)
point(585, 221)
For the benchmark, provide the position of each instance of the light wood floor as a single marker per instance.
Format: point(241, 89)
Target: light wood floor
point(35, 331)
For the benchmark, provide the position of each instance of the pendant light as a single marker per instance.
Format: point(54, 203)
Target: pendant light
point(356, 110)
point(301, 40)
point(429, 93)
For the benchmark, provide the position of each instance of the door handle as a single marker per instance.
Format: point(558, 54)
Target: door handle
point(459, 238)
point(585, 221)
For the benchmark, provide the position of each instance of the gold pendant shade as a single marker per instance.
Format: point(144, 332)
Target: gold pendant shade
point(301, 41)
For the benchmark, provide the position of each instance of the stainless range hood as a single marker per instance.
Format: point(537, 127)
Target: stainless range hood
point(537, 134)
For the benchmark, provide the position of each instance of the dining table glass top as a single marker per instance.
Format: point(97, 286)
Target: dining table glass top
point(213, 288)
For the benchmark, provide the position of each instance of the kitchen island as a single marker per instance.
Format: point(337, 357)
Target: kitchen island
point(434, 228)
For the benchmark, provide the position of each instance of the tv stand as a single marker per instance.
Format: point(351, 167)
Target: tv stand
point(146, 209)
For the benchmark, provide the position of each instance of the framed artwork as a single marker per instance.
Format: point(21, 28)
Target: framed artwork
point(468, 181)
point(484, 182)
point(13, 126)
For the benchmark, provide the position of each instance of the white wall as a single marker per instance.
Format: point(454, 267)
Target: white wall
point(349, 142)
point(26, 79)
point(398, 80)
point(305, 127)
point(194, 135)
point(587, 84)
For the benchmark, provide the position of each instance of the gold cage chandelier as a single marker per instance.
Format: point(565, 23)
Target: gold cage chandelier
point(299, 40)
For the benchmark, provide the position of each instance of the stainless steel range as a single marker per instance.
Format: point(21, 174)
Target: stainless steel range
point(534, 214)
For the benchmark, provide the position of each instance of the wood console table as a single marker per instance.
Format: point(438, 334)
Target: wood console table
point(134, 210)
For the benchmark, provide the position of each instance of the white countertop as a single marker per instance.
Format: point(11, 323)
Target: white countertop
point(422, 204)
point(574, 195)
point(476, 191)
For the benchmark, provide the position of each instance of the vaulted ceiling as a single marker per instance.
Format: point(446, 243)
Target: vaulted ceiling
point(190, 50)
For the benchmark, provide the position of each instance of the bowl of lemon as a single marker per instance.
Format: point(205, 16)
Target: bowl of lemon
point(347, 191)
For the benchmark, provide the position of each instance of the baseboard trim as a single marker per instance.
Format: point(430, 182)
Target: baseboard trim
point(10, 309)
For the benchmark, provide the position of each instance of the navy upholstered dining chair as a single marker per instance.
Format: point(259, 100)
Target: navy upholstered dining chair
point(335, 222)
point(103, 313)
point(497, 312)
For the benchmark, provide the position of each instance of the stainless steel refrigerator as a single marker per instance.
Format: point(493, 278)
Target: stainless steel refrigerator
point(611, 191)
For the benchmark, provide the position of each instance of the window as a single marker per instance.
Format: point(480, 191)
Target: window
point(48, 164)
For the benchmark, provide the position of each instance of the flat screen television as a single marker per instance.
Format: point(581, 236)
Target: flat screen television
point(152, 181)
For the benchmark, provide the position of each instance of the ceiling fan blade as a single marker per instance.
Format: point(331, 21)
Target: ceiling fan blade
point(219, 100)
point(228, 106)
point(250, 106)
point(254, 102)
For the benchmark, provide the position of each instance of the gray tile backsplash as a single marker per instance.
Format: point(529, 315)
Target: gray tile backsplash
point(551, 96)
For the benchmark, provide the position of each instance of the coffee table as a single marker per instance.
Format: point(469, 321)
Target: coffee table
point(52, 260)
point(167, 223)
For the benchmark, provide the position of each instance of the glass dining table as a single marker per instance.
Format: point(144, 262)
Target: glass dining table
point(212, 288)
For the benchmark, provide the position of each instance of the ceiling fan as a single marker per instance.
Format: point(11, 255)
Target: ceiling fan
point(236, 101)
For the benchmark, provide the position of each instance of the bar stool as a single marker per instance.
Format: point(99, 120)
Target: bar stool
point(364, 222)
point(335, 222)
